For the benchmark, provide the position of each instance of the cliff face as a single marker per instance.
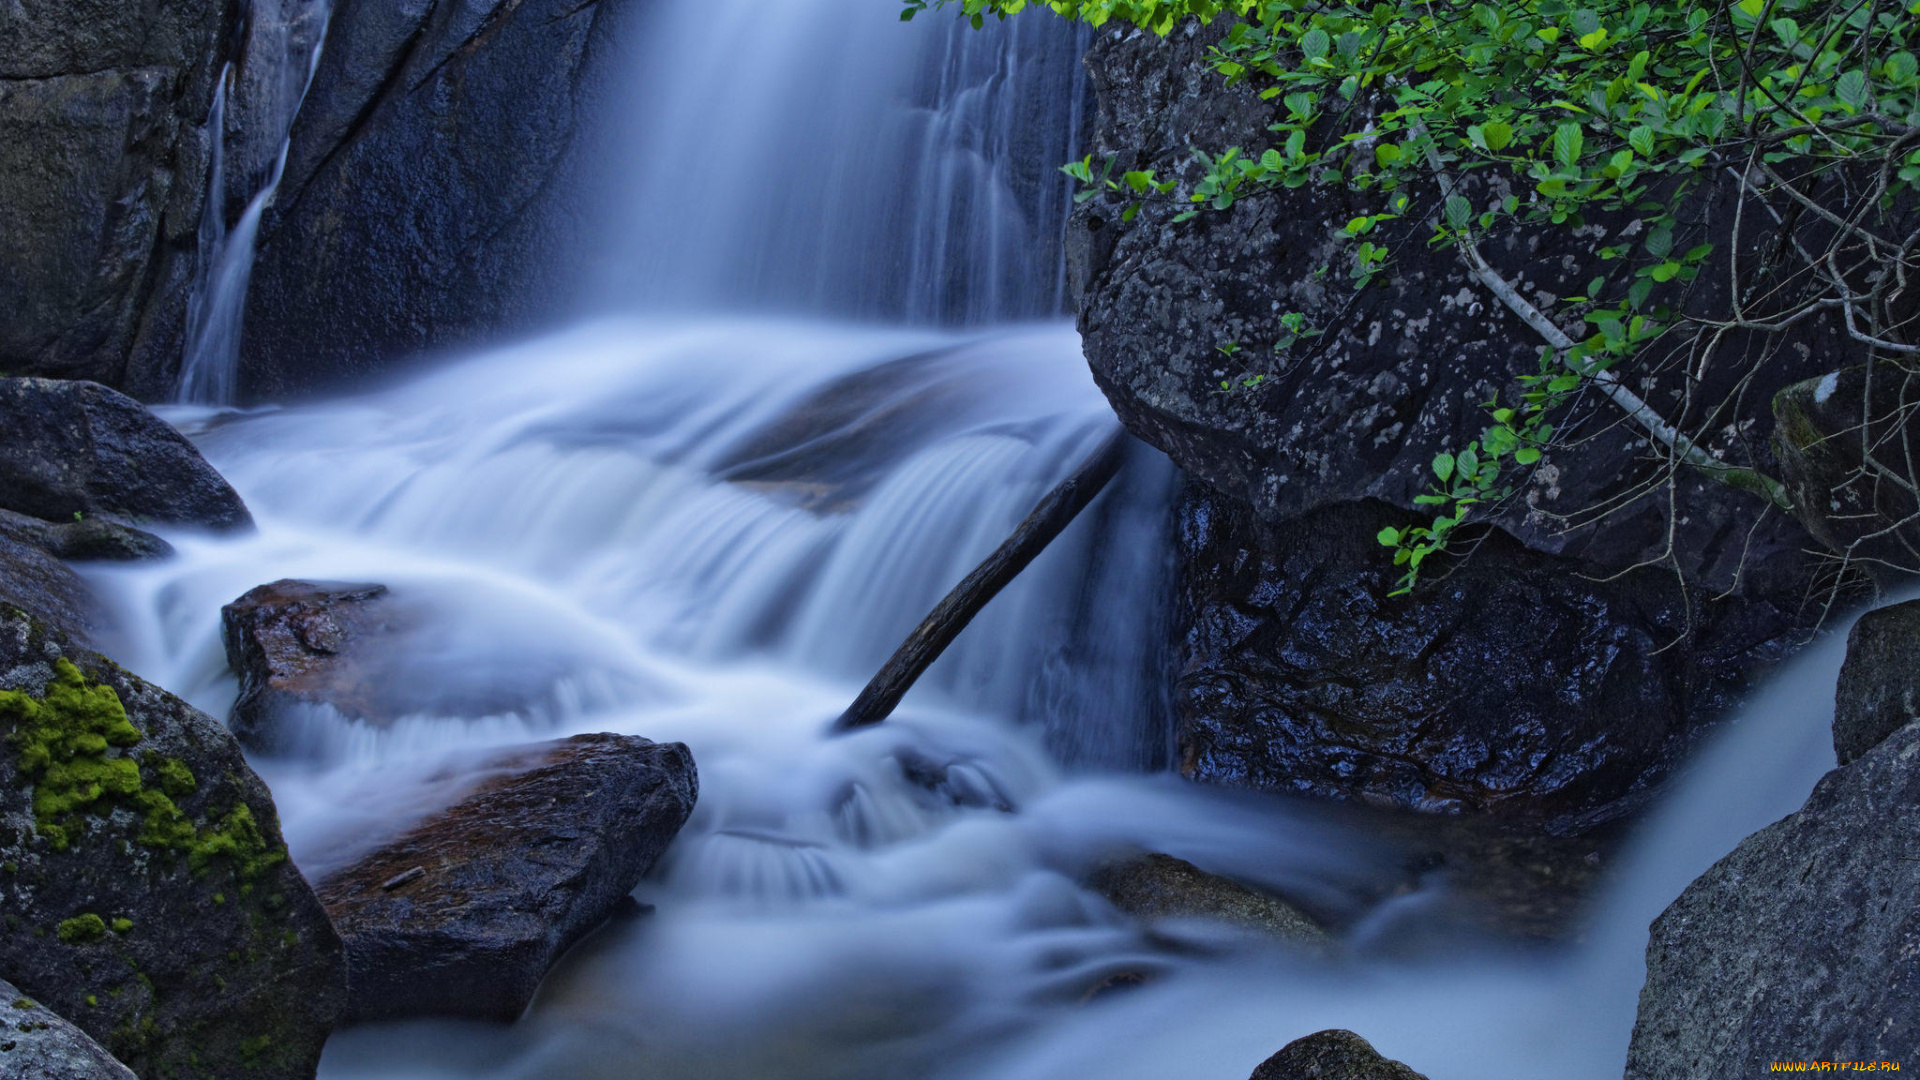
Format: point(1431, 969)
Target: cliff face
point(103, 174)
point(1556, 680)
point(416, 209)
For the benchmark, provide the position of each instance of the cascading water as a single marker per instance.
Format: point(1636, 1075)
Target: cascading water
point(713, 529)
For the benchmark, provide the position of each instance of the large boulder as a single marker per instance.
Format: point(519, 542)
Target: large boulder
point(1849, 449)
point(1799, 945)
point(1509, 684)
point(1333, 1054)
point(146, 891)
point(464, 914)
point(418, 195)
point(1879, 689)
point(36, 1044)
point(75, 449)
point(38, 582)
point(103, 176)
point(1292, 433)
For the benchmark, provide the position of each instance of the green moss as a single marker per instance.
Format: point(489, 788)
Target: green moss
point(93, 1001)
point(121, 926)
point(82, 929)
point(251, 1049)
point(22, 1003)
point(172, 774)
point(9, 867)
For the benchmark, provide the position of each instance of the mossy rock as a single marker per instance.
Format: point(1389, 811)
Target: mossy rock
point(124, 813)
point(1842, 497)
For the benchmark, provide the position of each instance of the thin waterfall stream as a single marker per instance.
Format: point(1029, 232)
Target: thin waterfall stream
point(821, 369)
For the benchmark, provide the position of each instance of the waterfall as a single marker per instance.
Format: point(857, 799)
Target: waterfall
point(280, 51)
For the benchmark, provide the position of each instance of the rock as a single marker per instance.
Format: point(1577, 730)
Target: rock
point(101, 539)
point(1510, 683)
point(416, 208)
point(103, 175)
point(1859, 507)
point(145, 891)
point(313, 654)
point(78, 448)
point(1879, 690)
point(1798, 945)
point(35, 1044)
point(42, 584)
point(1155, 886)
point(1331, 1055)
point(464, 914)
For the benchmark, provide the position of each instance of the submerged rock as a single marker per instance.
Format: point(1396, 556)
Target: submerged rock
point(1799, 945)
point(77, 449)
point(1879, 690)
point(144, 886)
point(1333, 1054)
point(36, 1044)
point(465, 913)
point(1155, 886)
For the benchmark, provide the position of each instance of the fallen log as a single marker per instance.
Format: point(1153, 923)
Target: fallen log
point(931, 638)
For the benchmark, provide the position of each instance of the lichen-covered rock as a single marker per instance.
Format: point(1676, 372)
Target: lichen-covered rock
point(464, 914)
point(1333, 1054)
point(416, 204)
point(1879, 690)
point(145, 892)
point(36, 1044)
point(103, 175)
point(1800, 944)
point(79, 448)
point(1155, 886)
point(1849, 447)
point(1508, 683)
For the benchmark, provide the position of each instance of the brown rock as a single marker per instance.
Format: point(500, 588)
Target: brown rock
point(464, 914)
point(1332, 1055)
point(1155, 886)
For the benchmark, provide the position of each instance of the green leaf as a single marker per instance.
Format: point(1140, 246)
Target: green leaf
point(1568, 140)
point(1443, 467)
point(1526, 455)
point(1641, 139)
point(1386, 153)
point(1315, 44)
point(1666, 271)
point(1459, 212)
point(1498, 135)
point(1902, 66)
point(1852, 88)
point(1389, 537)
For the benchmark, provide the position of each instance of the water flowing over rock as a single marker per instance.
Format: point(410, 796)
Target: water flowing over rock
point(1879, 691)
point(289, 642)
point(103, 174)
point(35, 1044)
point(1332, 1055)
point(74, 449)
point(464, 914)
point(145, 888)
point(1798, 945)
point(1303, 431)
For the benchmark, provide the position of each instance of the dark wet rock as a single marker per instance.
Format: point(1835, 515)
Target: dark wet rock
point(464, 914)
point(36, 1044)
point(416, 211)
point(298, 644)
point(145, 891)
point(1155, 886)
point(1332, 1055)
point(36, 581)
point(1849, 444)
point(1879, 690)
point(103, 174)
point(1799, 945)
point(89, 539)
point(80, 449)
point(1508, 683)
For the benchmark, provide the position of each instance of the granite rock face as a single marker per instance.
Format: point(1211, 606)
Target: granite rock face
point(145, 890)
point(1798, 945)
point(1849, 447)
point(465, 913)
point(1879, 691)
point(1332, 1055)
point(35, 580)
point(103, 176)
point(78, 449)
point(416, 211)
point(35, 1044)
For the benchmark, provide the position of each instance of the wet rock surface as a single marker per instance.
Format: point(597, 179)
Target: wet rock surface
point(416, 209)
point(1797, 946)
point(89, 539)
point(295, 644)
point(145, 890)
point(36, 1044)
point(1154, 886)
point(1879, 689)
point(103, 174)
point(1333, 1054)
point(78, 449)
point(1848, 444)
point(465, 913)
point(42, 584)
point(1509, 683)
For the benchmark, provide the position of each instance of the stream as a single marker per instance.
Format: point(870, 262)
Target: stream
point(820, 368)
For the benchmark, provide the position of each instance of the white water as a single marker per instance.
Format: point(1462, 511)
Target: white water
point(654, 526)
